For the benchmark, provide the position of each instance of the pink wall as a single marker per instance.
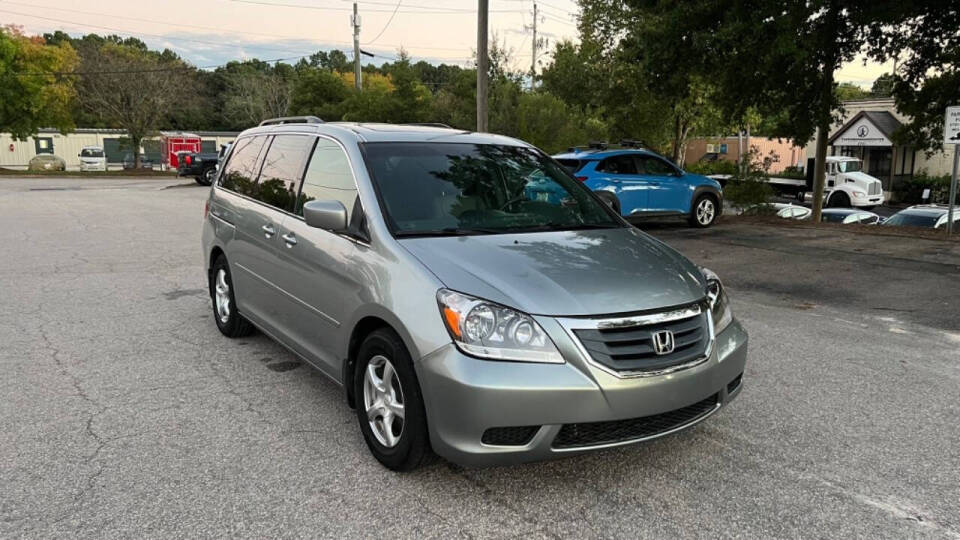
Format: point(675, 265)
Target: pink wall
point(788, 154)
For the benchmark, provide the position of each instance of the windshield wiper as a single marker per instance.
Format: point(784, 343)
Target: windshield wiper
point(450, 231)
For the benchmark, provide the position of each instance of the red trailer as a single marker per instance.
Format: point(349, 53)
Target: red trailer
point(174, 143)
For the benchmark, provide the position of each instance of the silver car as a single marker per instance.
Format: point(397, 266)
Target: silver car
point(471, 297)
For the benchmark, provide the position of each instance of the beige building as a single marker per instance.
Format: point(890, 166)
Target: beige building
point(16, 154)
point(866, 132)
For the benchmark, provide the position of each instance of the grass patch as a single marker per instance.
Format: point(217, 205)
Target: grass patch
point(89, 174)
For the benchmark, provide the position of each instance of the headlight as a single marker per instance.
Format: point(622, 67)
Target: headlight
point(859, 194)
point(489, 330)
point(717, 298)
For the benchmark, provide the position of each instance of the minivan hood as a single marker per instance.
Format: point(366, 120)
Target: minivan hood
point(563, 273)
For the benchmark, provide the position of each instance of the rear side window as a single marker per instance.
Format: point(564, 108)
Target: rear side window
point(239, 174)
point(282, 170)
point(654, 166)
point(622, 164)
point(328, 177)
point(572, 165)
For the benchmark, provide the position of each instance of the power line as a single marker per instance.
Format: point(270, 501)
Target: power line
point(390, 20)
point(421, 10)
point(135, 71)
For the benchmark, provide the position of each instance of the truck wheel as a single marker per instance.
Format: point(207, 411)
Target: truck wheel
point(704, 211)
point(609, 198)
point(839, 200)
point(207, 177)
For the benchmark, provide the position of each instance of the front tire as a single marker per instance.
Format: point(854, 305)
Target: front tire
point(389, 404)
point(839, 200)
point(704, 211)
point(229, 321)
point(207, 177)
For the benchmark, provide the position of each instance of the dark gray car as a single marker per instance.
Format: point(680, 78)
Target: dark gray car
point(472, 298)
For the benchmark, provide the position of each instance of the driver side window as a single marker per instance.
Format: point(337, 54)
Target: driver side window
point(622, 164)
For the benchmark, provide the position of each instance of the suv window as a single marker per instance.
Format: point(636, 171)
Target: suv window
point(240, 173)
point(622, 164)
point(282, 170)
point(654, 166)
point(328, 177)
point(572, 165)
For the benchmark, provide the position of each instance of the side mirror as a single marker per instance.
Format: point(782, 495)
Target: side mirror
point(330, 215)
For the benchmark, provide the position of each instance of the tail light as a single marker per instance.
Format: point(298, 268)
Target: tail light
point(189, 159)
point(582, 178)
point(206, 208)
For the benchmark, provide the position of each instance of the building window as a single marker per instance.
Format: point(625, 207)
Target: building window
point(44, 145)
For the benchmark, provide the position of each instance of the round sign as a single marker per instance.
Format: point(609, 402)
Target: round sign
point(862, 131)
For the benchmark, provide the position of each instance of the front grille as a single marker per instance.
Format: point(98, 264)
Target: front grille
point(874, 188)
point(631, 348)
point(509, 436)
point(594, 433)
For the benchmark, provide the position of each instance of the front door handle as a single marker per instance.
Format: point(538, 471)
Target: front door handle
point(268, 230)
point(290, 239)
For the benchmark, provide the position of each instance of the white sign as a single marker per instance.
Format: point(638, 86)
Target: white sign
point(862, 133)
point(951, 126)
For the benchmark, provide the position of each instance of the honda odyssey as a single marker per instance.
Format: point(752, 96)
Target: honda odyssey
point(473, 299)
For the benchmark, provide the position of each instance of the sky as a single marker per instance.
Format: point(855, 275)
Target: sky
point(209, 33)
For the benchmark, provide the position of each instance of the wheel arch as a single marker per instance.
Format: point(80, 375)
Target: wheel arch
point(366, 322)
point(709, 190)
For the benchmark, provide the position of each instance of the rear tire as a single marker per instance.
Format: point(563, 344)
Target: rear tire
point(225, 314)
point(609, 198)
point(704, 211)
point(389, 404)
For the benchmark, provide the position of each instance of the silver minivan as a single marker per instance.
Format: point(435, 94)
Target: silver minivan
point(472, 298)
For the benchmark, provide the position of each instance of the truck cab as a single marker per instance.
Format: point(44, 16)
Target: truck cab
point(846, 185)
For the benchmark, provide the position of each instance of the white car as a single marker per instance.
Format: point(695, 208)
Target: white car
point(92, 158)
point(847, 216)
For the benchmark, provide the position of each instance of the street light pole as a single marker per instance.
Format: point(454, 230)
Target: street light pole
point(482, 64)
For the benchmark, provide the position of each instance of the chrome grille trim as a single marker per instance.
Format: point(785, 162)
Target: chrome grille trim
point(569, 324)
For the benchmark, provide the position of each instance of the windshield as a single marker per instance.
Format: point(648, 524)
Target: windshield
point(833, 217)
point(848, 166)
point(458, 188)
point(906, 219)
point(91, 152)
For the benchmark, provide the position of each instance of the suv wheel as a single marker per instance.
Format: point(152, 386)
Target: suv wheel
point(704, 211)
point(229, 321)
point(389, 405)
point(207, 177)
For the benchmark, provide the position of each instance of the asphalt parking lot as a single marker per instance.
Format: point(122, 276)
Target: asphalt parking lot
point(124, 413)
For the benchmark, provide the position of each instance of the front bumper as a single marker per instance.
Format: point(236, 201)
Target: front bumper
point(465, 396)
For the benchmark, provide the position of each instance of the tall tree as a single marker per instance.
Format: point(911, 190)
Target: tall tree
point(132, 88)
point(35, 91)
point(782, 58)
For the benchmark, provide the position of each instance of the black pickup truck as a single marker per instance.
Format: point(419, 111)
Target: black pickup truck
point(202, 167)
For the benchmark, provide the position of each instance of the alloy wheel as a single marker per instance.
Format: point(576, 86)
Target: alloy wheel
point(705, 212)
point(383, 401)
point(222, 296)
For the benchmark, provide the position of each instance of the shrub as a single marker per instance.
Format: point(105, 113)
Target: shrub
point(713, 167)
point(911, 191)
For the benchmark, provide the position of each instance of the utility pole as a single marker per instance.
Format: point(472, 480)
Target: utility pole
point(483, 62)
point(357, 74)
point(533, 61)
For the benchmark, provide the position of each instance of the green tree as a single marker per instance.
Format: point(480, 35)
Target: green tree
point(781, 58)
point(33, 91)
point(318, 92)
point(883, 86)
point(848, 92)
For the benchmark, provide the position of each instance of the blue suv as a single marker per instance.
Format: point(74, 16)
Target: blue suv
point(641, 183)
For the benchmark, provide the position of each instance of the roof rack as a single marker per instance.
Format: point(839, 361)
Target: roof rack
point(291, 120)
point(430, 124)
point(598, 145)
point(632, 143)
